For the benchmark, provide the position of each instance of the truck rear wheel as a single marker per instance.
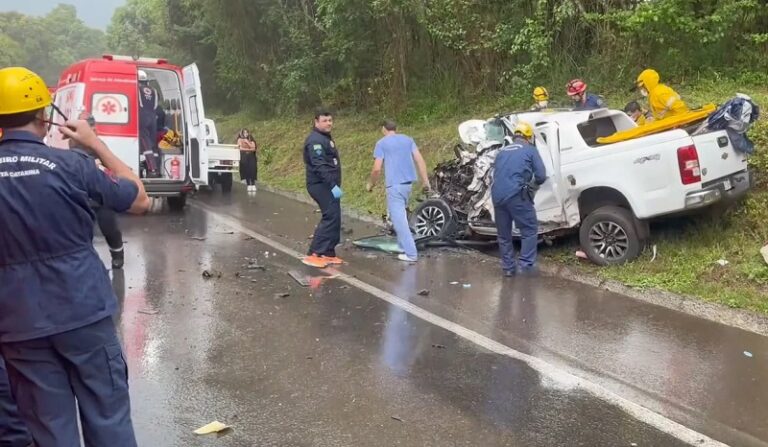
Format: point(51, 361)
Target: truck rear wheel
point(177, 204)
point(225, 180)
point(609, 236)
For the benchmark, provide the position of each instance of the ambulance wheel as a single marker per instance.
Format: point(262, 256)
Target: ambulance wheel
point(226, 183)
point(177, 204)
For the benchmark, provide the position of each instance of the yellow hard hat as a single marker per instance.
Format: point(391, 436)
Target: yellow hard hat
point(21, 90)
point(524, 129)
point(540, 94)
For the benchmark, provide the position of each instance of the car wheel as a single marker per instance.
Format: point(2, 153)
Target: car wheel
point(433, 218)
point(609, 236)
point(177, 204)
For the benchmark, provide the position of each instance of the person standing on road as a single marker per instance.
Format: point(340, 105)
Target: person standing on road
point(397, 153)
point(518, 171)
point(57, 335)
point(323, 170)
point(106, 218)
point(577, 91)
point(248, 148)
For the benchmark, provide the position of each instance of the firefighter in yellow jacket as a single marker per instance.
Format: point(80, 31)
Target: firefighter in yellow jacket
point(663, 101)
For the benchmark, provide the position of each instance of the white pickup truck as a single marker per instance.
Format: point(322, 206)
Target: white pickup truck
point(223, 159)
point(610, 191)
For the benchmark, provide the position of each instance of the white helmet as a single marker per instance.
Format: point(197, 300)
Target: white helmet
point(143, 76)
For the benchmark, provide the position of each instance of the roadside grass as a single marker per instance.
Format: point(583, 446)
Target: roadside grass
point(687, 249)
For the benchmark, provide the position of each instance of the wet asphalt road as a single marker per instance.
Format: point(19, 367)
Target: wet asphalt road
point(334, 365)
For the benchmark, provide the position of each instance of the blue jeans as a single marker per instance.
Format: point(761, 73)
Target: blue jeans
point(13, 432)
point(520, 210)
point(397, 201)
point(47, 375)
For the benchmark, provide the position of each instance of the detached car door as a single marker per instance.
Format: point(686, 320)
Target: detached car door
point(553, 208)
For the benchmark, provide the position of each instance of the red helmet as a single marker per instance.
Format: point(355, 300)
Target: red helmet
point(576, 87)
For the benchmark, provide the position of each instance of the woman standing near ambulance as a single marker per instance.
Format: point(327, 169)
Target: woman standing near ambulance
point(247, 146)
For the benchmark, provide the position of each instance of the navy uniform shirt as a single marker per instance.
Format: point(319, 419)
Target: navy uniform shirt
point(51, 278)
point(592, 102)
point(321, 159)
point(515, 166)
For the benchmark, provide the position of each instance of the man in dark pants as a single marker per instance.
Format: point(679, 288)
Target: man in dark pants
point(323, 168)
point(148, 121)
point(517, 172)
point(57, 336)
point(105, 217)
point(13, 432)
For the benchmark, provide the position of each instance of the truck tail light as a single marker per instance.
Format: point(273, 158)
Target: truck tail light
point(688, 160)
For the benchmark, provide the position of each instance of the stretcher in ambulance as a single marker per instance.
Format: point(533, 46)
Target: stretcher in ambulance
point(108, 89)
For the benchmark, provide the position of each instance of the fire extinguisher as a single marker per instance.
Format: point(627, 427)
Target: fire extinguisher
point(175, 168)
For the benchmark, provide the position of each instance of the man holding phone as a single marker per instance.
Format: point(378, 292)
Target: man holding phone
point(57, 336)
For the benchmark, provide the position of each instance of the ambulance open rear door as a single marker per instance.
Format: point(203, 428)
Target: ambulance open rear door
point(197, 155)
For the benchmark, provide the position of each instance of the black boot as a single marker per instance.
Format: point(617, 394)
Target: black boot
point(118, 258)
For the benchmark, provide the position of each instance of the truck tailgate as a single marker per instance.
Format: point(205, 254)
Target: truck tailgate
point(222, 152)
point(717, 158)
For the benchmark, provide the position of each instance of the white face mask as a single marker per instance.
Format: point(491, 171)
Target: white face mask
point(543, 104)
point(643, 92)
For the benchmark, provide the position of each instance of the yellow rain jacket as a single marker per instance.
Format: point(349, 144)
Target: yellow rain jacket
point(664, 101)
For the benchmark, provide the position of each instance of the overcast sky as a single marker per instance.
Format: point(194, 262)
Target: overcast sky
point(95, 13)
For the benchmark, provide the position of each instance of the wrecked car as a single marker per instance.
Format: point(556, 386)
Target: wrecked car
point(606, 192)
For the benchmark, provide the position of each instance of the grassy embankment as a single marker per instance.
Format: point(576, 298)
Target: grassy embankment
point(687, 249)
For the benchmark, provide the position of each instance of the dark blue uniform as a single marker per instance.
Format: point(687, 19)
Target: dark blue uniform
point(13, 432)
point(323, 167)
point(592, 102)
point(56, 300)
point(148, 122)
point(516, 166)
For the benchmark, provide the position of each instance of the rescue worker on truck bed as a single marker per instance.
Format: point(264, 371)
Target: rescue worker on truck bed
point(518, 171)
point(663, 101)
point(577, 91)
point(57, 335)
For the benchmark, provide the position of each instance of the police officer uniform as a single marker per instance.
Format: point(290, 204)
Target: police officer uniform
point(323, 171)
point(517, 169)
point(56, 300)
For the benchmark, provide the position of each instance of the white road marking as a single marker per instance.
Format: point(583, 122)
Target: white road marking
point(547, 369)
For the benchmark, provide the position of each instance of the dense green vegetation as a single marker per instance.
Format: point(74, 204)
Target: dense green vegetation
point(47, 44)
point(418, 58)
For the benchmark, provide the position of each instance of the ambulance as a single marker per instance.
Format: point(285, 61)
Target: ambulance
point(108, 89)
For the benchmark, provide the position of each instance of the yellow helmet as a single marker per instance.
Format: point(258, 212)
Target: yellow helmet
point(524, 129)
point(21, 90)
point(540, 94)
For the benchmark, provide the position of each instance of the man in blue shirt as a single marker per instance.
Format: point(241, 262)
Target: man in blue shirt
point(57, 336)
point(397, 153)
point(517, 172)
point(577, 91)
